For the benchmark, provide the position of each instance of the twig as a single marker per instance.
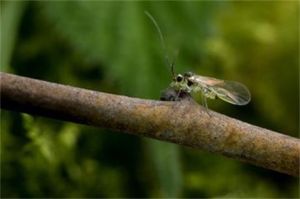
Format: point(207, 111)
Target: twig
point(184, 122)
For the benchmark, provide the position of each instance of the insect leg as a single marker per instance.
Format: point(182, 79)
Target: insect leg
point(204, 102)
point(178, 94)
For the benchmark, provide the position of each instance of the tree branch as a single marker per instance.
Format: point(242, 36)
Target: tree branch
point(184, 122)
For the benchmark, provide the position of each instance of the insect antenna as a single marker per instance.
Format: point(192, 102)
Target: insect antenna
point(173, 62)
point(162, 40)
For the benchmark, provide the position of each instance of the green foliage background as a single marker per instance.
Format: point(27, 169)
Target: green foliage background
point(113, 47)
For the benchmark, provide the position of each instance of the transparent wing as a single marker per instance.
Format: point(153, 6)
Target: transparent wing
point(231, 92)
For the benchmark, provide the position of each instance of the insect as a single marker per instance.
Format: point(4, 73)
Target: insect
point(209, 87)
point(212, 88)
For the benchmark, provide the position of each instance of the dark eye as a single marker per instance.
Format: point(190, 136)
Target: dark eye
point(190, 83)
point(179, 78)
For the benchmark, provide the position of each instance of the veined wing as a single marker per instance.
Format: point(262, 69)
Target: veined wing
point(202, 80)
point(229, 91)
point(232, 92)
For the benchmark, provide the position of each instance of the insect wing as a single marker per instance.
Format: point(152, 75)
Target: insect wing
point(232, 92)
point(207, 81)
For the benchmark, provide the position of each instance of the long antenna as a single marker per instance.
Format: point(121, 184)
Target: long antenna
point(162, 40)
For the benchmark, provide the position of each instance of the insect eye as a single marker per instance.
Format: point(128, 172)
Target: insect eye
point(190, 83)
point(179, 78)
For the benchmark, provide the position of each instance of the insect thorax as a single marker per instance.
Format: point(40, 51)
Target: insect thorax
point(185, 86)
point(180, 86)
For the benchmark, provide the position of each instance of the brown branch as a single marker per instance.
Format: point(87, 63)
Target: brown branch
point(184, 122)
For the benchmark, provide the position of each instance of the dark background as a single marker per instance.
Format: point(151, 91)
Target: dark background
point(114, 47)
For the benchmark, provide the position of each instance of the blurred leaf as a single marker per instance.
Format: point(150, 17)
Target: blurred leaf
point(166, 162)
point(11, 13)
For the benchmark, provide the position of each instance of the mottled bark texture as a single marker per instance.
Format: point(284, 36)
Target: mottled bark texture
point(183, 122)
